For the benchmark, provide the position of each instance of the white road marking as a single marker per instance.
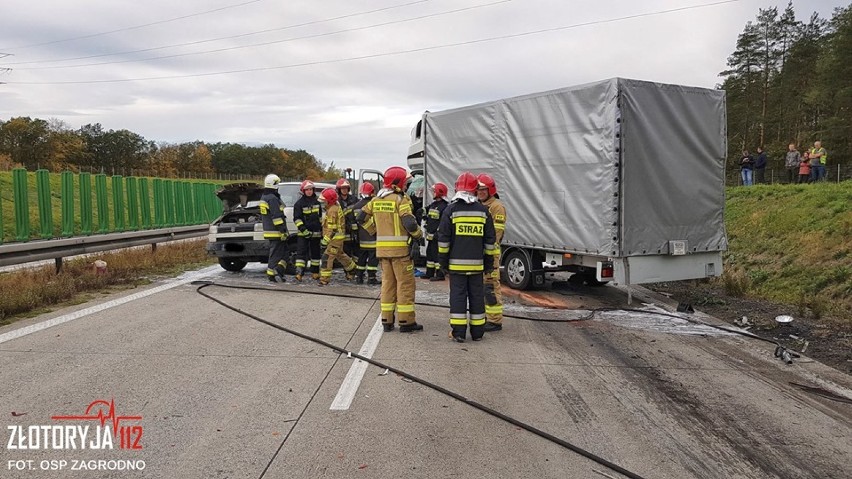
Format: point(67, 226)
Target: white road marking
point(356, 372)
point(180, 280)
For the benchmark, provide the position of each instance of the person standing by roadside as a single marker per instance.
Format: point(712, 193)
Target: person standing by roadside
point(792, 163)
point(804, 169)
point(333, 235)
point(308, 219)
point(466, 246)
point(433, 220)
point(396, 228)
point(274, 228)
point(760, 166)
point(746, 165)
point(819, 158)
point(487, 195)
point(367, 261)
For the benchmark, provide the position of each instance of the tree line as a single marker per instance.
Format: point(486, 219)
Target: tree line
point(37, 143)
point(790, 81)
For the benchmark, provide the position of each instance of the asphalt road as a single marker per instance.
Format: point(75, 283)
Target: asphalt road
point(219, 395)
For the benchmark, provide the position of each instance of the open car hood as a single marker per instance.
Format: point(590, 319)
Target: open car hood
point(238, 195)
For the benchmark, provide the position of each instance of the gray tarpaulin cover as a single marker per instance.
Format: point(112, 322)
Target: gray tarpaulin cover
point(614, 168)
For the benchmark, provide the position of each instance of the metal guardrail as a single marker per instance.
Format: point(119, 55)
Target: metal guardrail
point(19, 253)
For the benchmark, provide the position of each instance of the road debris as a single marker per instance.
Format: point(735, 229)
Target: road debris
point(784, 318)
point(385, 373)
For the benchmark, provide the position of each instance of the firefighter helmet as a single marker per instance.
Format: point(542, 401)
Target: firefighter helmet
point(395, 177)
point(439, 190)
point(486, 181)
point(343, 183)
point(271, 181)
point(330, 196)
point(305, 185)
point(367, 189)
point(467, 182)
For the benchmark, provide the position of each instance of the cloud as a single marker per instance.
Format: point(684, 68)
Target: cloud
point(356, 113)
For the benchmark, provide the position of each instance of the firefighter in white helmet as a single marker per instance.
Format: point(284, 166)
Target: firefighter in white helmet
point(274, 228)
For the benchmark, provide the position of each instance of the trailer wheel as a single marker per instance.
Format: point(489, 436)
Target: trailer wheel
point(231, 264)
point(518, 272)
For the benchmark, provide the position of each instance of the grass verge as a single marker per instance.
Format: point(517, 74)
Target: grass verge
point(792, 244)
point(30, 291)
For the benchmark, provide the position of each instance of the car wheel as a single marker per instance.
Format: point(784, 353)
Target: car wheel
point(231, 264)
point(518, 270)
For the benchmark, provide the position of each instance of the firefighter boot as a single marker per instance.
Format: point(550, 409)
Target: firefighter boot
point(371, 278)
point(410, 328)
point(299, 275)
point(280, 270)
point(359, 277)
point(430, 273)
point(439, 276)
point(315, 276)
point(457, 333)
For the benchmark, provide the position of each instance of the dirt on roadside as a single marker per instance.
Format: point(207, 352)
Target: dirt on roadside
point(826, 339)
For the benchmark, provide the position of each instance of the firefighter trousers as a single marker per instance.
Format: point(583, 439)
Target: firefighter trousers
point(433, 267)
point(467, 294)
point(367, 261)
point(397, 290)
point(493, 295)
point(277, 257)
point(334, 251)
point(308, 255)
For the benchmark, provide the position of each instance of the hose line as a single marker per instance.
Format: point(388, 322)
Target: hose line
point(205, 284)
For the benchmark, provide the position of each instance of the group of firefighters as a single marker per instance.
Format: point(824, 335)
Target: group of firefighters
point(462, 232)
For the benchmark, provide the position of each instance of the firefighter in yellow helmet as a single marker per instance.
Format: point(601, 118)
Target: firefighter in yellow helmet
point(274, 228)
point(333, 234)
point(487, 194)
point(396, 227)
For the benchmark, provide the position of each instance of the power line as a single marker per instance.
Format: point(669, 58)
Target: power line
point(197, 42)
point(274, 42)
point(136, 27)
point(394, 53)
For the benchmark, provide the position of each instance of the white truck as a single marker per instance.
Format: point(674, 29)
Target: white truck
point(619, 180)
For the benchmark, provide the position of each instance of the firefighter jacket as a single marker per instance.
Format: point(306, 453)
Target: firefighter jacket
point(333, 225)
point(272, 213)
point(466, 238)
point(498, 214)
point(395, 223)
point(307, 215)
point(346, 204)
point(433, 217)
point(367, 229)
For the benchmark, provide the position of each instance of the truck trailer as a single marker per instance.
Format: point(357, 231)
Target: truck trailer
point(619, 180)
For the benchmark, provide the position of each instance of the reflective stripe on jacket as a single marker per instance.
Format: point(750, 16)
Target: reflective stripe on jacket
point(272, 215)
point(395, 223)
point(466, 238)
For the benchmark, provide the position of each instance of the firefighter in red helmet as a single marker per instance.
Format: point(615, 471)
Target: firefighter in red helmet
point(367, 261)
point(396, 227)
point(307, 215)
point(333, 233)
point(433, 219)
point(347, 200)
point(487, 194)
point(466, 250)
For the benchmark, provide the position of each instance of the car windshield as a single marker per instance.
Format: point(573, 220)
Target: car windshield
point(289, 194)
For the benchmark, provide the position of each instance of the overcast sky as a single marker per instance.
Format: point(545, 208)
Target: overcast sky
point(344, 80)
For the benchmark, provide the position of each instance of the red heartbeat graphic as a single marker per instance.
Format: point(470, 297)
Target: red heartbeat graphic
point(100, 416)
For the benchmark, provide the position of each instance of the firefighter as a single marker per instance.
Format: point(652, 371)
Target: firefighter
point(487, 194)
point(308, 219)
point(333, 234)
point(433, 219)
point(396, 228)
point(466, 251)
point(347, 200)
point(367, 261)
point(274, 228)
